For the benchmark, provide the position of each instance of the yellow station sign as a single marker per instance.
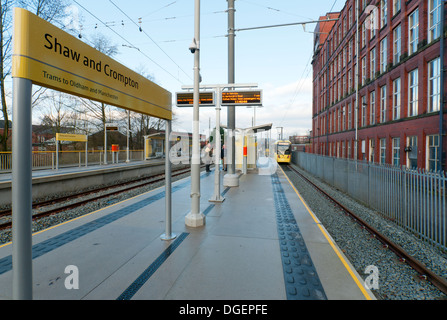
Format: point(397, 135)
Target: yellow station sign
point(71, 137)
point(55, 59)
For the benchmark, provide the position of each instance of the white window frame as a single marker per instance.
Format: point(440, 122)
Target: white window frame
point(396, 6)
point(363, 71)
point(413, 31)
point(396, 151)
point(413, 86)
point(383, 103)
point(349, 115)
point(372, 108)
point(397, 44)
point(382, 154)
point(383, 13)
point(434, 19)
point(372, 65)
point(396, 98)
point(383, 55)
point(430, 143)
point(434, 78)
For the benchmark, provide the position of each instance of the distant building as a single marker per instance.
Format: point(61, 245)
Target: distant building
point(396, 118)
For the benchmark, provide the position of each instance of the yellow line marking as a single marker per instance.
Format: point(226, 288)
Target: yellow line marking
point(328, 238)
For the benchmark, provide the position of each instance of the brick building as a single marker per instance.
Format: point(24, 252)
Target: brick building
point(397, 117)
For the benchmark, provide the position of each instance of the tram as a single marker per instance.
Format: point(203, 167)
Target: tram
point(283, 150)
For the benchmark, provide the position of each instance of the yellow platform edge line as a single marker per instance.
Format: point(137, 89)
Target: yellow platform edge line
point(329, 239)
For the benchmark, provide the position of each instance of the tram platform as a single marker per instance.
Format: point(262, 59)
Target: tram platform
point(49, 183)
point(261, 243)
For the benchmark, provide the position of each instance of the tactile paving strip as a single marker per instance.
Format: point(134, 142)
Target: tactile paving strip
point(300, 277)
point(142, 279)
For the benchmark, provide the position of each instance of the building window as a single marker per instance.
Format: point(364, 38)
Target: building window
point(350, 17)
point(412, 152)
point(383, 13)
point(383, 104)
point(349, 80)
point(372, 146)
point(349, 149)
point(434, 85)
point(434, 19)
point(432, 153)
point(383, 55)
point(396, 44)
point(363, 71)
point(349, 115)
point(413, 31)
point(396, 99)
point(338, 120)
point(373, 22)
point(372, 107)
point(382, 150)
point(372, 59)
point(396, 6)
point(396, 152)
point(413, 93)
point(363, 34)
point(364, 111)
point(349, 50)
point(343, 118)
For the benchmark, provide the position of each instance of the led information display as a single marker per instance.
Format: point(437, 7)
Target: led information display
point(186, 99)
point(242, 98)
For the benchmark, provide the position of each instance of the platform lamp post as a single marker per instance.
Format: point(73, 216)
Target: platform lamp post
point(195, 218)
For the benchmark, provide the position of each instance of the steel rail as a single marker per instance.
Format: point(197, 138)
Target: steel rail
point(418, 266)
point(50, 212)
point(35, 205)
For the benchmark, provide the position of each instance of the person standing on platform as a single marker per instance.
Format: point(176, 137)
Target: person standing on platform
point(208, 156)
point(222, 156)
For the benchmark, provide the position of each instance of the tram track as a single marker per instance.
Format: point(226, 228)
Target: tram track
point(85, 197)
point(404, 256)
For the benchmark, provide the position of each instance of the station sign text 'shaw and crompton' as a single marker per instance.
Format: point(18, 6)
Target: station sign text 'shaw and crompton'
point(52, 58)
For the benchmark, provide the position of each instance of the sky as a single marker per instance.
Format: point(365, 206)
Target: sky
point(277, 59)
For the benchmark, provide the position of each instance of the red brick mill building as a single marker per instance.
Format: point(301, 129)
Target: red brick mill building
point(399, 84)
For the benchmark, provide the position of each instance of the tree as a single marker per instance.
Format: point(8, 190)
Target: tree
point(5, 66)
point(49, 10)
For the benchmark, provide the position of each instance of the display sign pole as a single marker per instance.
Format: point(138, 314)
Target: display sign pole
point(168, 235)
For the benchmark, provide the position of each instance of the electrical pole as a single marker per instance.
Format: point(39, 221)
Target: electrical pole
point(231, 179)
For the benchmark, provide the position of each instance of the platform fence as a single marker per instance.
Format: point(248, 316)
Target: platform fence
point(413, 199)
point(47, 159)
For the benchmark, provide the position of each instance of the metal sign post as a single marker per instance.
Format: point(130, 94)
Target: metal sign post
point(168, 235)
point(21, 191)
point(36, 60)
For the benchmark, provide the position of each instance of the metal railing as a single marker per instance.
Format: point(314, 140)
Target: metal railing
point(414, 199)
point(47, 159)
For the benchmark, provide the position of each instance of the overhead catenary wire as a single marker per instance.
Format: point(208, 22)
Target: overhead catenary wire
point(127, 41)
point(142, 30)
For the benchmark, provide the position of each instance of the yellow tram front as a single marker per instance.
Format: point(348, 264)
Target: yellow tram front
point(283, 151)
